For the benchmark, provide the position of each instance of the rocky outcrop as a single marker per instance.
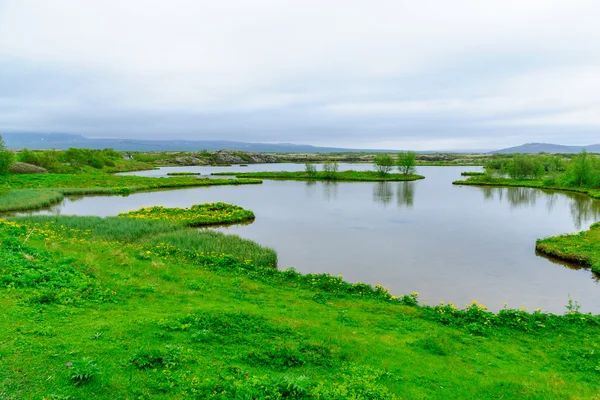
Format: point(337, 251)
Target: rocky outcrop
point(224, 157)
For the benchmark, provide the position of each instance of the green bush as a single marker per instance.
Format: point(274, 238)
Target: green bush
point(407, 162)
point(384, 164)
point(7, 157)
point(24, 168)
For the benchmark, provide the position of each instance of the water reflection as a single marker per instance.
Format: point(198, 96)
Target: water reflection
point(330, 190)
point(382, 193)
point(311, 188)
point(582, 207)
point(405, 194)
point(576, 267)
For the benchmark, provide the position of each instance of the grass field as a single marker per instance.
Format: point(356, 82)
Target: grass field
point(133, 308)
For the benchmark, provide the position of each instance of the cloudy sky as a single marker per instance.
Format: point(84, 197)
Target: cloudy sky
point(396, 74)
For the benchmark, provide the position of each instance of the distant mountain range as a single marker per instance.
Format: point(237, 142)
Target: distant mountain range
point(60, 141)
point(40, 141)
point(533, 148)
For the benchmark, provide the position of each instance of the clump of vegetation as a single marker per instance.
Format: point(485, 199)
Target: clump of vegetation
point(183, 173)
point(196, 215)
point(7, 158)
point(330, 169)
point(407, 162)
point(310, 169)
point(71, 160)
point(24, 168)
point(84, 370)
point(384, 164)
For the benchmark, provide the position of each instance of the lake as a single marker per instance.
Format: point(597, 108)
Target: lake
point(447, 242)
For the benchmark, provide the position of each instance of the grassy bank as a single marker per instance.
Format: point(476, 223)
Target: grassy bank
point(365, 176)
point(484, 180)
point(582, 248)
point(106, 308)
point(26, 192)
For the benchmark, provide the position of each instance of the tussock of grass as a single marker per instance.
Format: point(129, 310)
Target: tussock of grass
point(366, 176)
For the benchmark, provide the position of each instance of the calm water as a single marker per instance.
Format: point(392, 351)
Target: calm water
point(449, 243)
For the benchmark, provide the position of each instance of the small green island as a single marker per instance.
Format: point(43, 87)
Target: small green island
point(342, 176)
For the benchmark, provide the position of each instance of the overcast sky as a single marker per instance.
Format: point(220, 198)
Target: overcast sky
point(396, 74)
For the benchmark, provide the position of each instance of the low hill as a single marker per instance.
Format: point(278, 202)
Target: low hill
point(533, 148)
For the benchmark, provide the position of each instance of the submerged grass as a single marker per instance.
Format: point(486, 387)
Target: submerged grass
point(366, 176)
point(86, 315)
point(26, 192)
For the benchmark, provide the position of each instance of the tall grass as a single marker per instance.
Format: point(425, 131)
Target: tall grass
point(27, 199)
point(206, 241)
point(154, 232)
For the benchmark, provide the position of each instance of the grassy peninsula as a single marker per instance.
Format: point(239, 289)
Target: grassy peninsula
point(361, 176)
point(31, 191)
point(581, 248)
point(123, 307)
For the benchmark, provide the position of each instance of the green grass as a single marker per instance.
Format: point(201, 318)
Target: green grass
point(26, 192)
point(196, 215)
point(366, 176)
point(87, 315)
point(27, 199)
point(582, 248)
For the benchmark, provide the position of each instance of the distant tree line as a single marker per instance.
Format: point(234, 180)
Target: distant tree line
point(69, 160)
